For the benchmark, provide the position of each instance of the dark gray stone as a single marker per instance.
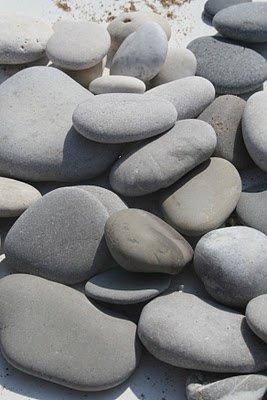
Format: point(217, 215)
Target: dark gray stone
point(256, 315)
point(212, 7)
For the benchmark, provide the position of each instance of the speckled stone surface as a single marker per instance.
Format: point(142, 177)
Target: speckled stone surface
point(212, 7)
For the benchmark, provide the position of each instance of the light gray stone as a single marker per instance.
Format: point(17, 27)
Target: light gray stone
point(203, 199)
point(254, 126)
point(142, 54)
point(256, 316)
point(117, 84)
point(232, 263)
point(54, 332)
point(141, 242)
point(123, 117)
point(212, 7)
point(188, 332)
point(157, 164)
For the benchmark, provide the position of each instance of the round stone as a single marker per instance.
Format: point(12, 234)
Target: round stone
point(54, 332)
point(189, 332)
point(123, 117)
point(231, 67)
point(16, 197)
point(118, 286)
point(141, 242)
point(232, 263)
point(256, 316)
point(77, 45)
point(212, 7)
point(22, 39)
point(203, 199)
point(117, 84)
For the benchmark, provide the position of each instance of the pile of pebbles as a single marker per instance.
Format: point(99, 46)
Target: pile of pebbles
point(119, 191)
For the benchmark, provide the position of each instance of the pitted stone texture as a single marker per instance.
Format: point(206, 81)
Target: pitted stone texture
point(224, 114)
point(38, 141)
point(190, 95)
point(22, 39)
point(118, 286)
point(54, 332)
point(159, 163)
point(212, 7)
point(142, 54)
point(203, 199)
point(117, 84)
point(60, 237)
point(123, 117)
point(232, 263)
point(129, 22)
point(77, 45)
point(16, 197)
point(256, 316)
point(141, 242)
point(188, 332)
point(246, 22)
point(254, 126)
point(228, 65)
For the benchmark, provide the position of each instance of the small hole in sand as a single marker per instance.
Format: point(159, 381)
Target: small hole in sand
point(126, 20)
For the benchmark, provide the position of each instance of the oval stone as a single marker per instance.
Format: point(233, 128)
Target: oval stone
point(159, 163)
point(231, 67)
point(212, 7)
point(141, 242)
point(203, 199)
point(189, 332)
point(254, 126)
point(256, 316)
point(117, 84)
point(232, 263)
point(54, 332)
point(123, 117)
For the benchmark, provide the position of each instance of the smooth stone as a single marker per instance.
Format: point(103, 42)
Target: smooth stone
point(232, 264)
point(160, 162)
point(127, 23)
point(254, 127)
point(207, 386)
point(22, 39)
point(118, 286)
point(141, 242)
point(117, 84)
point(56, 333)
point(224, 114)
point(189, 332)
point(246, 22)
point(190, 95)
point(38, 141)
point(256, 316)
point(228, 65)
point(203, 199)
point(212, 7)
point(179, 63)
point(142, 54)
point(77, 45)
point(251, 208)
point(16, 197)
point(60, 237)
point(123, 117)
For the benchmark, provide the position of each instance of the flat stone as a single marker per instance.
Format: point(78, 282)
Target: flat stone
point(123, 117)
point(207, 386)
point(54, 332)
point(189, 332)
point(224, 114)
point(60, 237)
point(203, 199)
point(231, 262)
point(142, 54)
point(118, 286)
point(160, 162)
point(22, 39)
point(246, 22)
point(190, 95)
point(117, 84)
point(254, 127)
point(256, 316)
point(231, 67)
point(16, 197)
point(77, 45)
point(212, 7)
point(128, 22)
point(141, 242)
point(38, 141)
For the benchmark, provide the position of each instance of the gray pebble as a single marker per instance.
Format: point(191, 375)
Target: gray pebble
point(117, 84)
point(212, 7)
point(256, 316)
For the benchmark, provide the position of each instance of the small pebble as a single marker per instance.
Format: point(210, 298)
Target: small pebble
point(212, 7)
point(117, 84)
point(256, 316)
